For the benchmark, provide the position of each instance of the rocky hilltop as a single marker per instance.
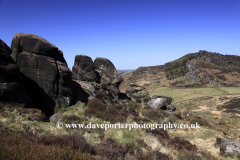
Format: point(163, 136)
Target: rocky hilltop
point(198, 69)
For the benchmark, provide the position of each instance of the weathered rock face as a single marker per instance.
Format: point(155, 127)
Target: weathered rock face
point(107, 74)
point(84, 68)
point(137, 92)
point(12, 88)
point(157, 103)
point(193, 74)
point(168, 100)
point(161, 102)
point(89, 89)
point(230, 146)
point(43, 70)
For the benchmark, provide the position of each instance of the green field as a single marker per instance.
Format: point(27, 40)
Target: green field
point(231, 90)
point(190, 93)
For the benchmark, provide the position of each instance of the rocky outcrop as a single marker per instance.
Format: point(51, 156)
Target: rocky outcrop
point(107, 74)
point(231, 61)
point(137, 92)
point(161, 102)
point(230, 146)
point(193, 74)
point(43, 70)
point(12, 89)
point(89, 89)
point(84, 69)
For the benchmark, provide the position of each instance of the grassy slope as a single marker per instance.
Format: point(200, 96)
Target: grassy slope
point(190, 93)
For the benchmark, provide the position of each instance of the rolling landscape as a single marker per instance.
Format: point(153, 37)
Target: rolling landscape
point(120, 80)
point(201, 88)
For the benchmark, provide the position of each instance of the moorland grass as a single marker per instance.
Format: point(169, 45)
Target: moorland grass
point(188, 93)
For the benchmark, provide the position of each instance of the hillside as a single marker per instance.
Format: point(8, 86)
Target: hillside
point(200, 69)
point(125, 72)
point(145, 76)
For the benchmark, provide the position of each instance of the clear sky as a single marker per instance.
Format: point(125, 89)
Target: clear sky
point(130, 33)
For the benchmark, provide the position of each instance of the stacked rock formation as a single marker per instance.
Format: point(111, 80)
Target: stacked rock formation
point(107, 74)
point(12, 90)
point(44, 71)
point(137, 92)
point(84, 69)
point(101, 71)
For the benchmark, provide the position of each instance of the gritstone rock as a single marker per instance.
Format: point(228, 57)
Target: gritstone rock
point(12, 89)
point(107, 74)
point(44, 71)
point(137, 92)
point(230, 146)
point(84, 69)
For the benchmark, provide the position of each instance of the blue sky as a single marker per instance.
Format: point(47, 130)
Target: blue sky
point(130, 33)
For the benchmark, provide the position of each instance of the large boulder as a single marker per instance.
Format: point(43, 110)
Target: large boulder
point(230, 146)
point(137, 92)
point(12, 89)
point(157, 103)
point(168, 100)
point(161, 102)
point(43, 70)
point(107, 74)
point(84, 69)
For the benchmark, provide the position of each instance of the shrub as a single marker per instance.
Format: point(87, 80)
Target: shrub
point(95, 108)
point(76, 143)
point(99, 96)
point(138, 100)
point(178, 115)
point(189, 155)
point(181, 144)
point(199, 120)
point(145, 100)
point(133, 104)
point(158, 132)
point(72, 118)
point(104, 86)
point(156, 115)
point(20, 145)
point(110, 113)
point(113, 115)
point(218, 142)
point(156, 155)
point(110, 149)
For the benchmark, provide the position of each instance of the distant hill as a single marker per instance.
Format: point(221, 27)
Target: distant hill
point(125, 72)
point(143, 76)
point(200, 69)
